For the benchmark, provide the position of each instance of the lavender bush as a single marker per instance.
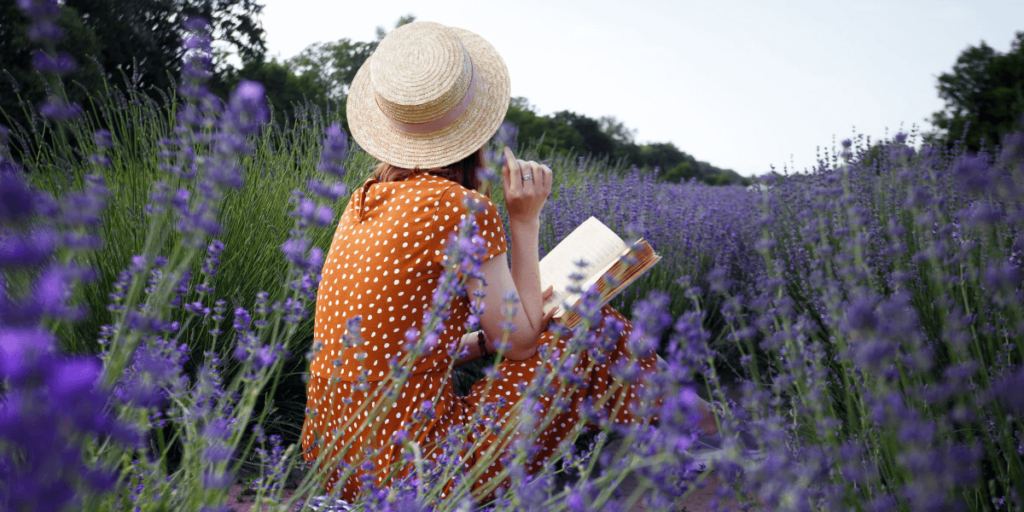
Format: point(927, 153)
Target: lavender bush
point(872, 309)
point(699, 229)
point(890, 317)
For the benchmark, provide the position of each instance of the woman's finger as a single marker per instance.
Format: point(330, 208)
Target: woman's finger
point(506, 170)
point(515, 174)
point(547, 293)
point(547, 318)
point(548, 177)
point(529, 169)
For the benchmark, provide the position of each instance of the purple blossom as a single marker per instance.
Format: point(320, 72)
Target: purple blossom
point(61, 64)
point(972, 172)
point(295, 251)
point(43, 14)
point(247, 108)
point(16, 198)
point(58, 109)
point(335, 151)
point(212, 262)
point(103, 139)
point(1013, 146)
point(1008, 391)
point(329, 191)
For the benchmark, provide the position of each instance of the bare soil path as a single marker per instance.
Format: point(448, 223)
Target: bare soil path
point(701, 500)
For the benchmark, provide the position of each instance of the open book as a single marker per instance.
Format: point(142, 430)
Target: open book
point(603, 251)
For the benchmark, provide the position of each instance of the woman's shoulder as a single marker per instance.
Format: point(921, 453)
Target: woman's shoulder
point(459, 198)
point(423, 191)
point(418, 190)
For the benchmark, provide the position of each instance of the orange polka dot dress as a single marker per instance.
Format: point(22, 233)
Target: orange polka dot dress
point(383, 265)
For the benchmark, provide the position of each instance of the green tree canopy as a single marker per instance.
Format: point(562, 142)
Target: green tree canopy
point(144, 37)
point(986, 89)
point(568, 131)
point(334, 65)
point(548, 134)
point(141, 38)
point(285, 89)
point(18, 79)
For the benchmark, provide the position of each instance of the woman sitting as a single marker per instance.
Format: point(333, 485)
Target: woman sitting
point(425, 104)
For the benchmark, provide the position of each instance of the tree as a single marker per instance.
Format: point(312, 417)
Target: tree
point(567, 131)
point(595, 141)
point(548, 134)
point(18, 78)
point(683, 171)
point(144, 37)
point(663, 154)
point(284, 88)
point(985, 89)
point(616, 129)
point(334, 65)
point(141, 38)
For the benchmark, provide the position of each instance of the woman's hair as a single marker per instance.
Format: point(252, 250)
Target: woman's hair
point(462, 172)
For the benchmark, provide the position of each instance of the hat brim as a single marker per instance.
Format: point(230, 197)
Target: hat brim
point(378, 137)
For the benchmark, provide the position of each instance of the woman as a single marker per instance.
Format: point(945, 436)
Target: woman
point(425, 104)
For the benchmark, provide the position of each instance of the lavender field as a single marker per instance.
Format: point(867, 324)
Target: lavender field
point(159, 262)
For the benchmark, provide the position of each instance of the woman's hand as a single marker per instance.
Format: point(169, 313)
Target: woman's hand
point(527, 186)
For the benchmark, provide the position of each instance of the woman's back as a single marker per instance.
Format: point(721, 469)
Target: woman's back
point(383, 266)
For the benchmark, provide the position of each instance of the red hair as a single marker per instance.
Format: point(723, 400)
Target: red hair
point(462, 172)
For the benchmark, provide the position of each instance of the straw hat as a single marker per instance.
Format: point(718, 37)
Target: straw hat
point(429, 96)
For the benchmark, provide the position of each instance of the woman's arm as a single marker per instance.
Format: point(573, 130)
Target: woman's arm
point(469, 344)
point(526, 266)
point(524, 199)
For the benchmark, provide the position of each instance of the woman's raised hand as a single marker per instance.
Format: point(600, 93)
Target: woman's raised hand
point(527, 186)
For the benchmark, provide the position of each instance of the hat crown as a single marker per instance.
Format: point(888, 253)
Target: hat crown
point(420, 71)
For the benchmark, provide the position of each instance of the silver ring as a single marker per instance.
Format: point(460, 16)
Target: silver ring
point(527, 176)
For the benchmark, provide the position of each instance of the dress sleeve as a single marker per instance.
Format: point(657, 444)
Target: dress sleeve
point(451, 211)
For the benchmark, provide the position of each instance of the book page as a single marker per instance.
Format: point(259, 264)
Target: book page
point(591, 241)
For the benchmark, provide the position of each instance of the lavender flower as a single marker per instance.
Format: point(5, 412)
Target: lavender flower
point(335, 151)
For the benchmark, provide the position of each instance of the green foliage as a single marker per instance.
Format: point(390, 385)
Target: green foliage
point(594, 141)
point(567, 132)
point(986, 89)
point(548, 135)
point(144, 37)
point(20, 80)
point(142, 42)
point(334, 65)
point(138, 41)
point(286, 90)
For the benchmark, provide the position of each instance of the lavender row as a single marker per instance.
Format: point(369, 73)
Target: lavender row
point(872, 308)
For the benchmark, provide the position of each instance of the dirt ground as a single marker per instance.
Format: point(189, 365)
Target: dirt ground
point(701, 500)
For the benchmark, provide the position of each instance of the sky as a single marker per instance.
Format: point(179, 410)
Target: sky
point(743, 85)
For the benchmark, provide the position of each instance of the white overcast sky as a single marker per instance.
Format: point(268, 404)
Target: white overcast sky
point(739, 84)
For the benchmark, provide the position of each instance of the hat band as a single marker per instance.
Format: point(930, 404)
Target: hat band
point(443, 121)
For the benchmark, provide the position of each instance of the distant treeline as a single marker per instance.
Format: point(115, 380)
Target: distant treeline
point(140, 42)
point(607, 137)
